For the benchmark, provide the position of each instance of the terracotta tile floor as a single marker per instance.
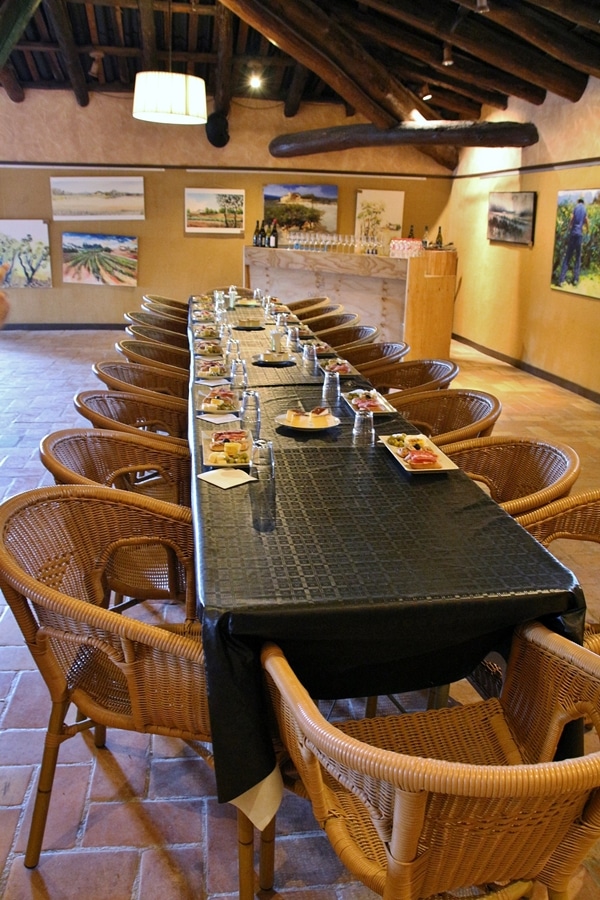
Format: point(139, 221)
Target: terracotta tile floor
point(139, 819)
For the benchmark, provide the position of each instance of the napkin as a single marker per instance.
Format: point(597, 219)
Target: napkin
point(218, 419)
point(226, 478)
point(212, 382)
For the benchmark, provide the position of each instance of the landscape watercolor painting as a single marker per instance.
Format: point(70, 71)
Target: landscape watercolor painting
point(214, 211)
point(97, 198)
point(25, 246)
point(301, 207)
point(100, 259)
point(511, 217)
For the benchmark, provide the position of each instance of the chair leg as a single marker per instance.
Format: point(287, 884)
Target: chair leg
point(245, 856)
point(266, 868)
point(54, 738)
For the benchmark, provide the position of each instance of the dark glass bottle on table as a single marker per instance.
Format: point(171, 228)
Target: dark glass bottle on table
point(262, 235)
point(439, 241)
point(426, 236)
point(256, 236)
point(274, 236)
point(411, 232)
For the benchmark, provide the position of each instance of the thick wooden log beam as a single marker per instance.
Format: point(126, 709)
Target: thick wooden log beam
point(456, 134)
point(10, 83)
point(14, 16)
point(57, 12)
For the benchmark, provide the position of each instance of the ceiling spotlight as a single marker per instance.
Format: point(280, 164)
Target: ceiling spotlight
point(426, 92)
point(448, 59)
point(483, 6)
point(255, 81)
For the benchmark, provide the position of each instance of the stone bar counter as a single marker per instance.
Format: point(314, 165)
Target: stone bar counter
point(407, 299)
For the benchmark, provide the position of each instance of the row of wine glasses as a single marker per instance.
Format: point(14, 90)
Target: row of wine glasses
point(322, 241)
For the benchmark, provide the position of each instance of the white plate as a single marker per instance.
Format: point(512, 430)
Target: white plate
point(385, 408)
point(232, 462)
point(351, 373)
point(333, 421)
point(444, 464)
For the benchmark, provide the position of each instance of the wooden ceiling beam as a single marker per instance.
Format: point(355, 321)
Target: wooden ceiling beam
point(14, 17)
point(581, 12)
point(296, 89)
point(57, 13)
point(545, 34)
point(147, 36)
point(484, 41)
point(223, 91)
point(11, 84)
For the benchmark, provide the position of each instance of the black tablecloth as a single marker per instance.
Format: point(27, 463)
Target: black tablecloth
point(373, 581)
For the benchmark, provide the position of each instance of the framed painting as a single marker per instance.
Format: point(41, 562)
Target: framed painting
point(301, 207)
point(378, 219)
point(25, 246)
point(576, 256)
point(214, 211)
point(99, 259)
point(511, 217)
point(97, 198)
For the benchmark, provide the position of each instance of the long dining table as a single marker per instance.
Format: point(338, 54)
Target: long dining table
point(373, 580)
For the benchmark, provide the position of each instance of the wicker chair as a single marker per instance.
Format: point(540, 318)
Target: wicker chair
point(180, 306)
point(118, 459)
point(308, 303)
point(521, 474)
point(158, 336)
point(154, 320)
point(419, 805)
point(162, 309)
point(126, 376)
point(309, 315)
point(118, 672)
point(165, 418)
point(449, 415)
point(170, 359)
point(415, 376)
point(370, 357)
point(350, 336)
point(325, 324)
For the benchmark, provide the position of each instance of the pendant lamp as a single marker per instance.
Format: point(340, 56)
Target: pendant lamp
point(171, 98)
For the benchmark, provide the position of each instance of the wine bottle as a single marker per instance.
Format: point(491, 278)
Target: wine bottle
point(256, 236)
point(411, 232)
point(262, 235)
point(439, 241)
point(274, 236)
point(426, 236)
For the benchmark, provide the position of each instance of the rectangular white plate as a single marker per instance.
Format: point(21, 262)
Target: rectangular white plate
point(384, 408)
point(444, 464)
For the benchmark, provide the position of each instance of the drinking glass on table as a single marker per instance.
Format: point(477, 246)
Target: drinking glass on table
point(250, 413)
point(309, 358)
point(238, 374)
point(331, 388)
point(262, 491)
point(363, 432)
point(293, 338)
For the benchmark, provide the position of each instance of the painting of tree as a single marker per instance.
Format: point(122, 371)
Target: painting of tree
point(24, 245)
point(214, 211)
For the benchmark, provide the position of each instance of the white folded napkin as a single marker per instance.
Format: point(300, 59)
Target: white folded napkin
point(226, 478)
point(218, 419)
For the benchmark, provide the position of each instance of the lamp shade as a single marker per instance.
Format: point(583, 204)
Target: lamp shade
point(171, 98)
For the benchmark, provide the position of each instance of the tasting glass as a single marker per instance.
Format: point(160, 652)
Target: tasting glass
point(250, 413)
point(309, 358)
point(293, 338)
point(331, 388)
point(363, 432)
point(238, 374)
point(262, 491)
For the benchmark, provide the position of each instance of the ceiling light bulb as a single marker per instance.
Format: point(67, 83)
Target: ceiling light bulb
point(482, 6)
point(426, 93)
point(255, 82)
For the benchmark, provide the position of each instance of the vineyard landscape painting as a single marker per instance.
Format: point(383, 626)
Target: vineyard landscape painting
point(104, 259)
point(214, 211)
point(97, 198)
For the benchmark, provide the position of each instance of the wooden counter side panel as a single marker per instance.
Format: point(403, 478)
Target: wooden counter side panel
point(430, 305)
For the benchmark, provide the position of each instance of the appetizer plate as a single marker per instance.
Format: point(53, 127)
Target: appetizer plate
point(340, 365)
point(239, 452)
point(442, 463)
point(380, 407)
point(332, 422)
point(278, 360)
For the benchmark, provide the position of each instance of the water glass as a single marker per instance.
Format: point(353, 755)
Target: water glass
point(331, 388)
point(363, 432)
point(293, 338)
point(309, 358)
point(250, 413)
point(262, 491)
point(238, 374)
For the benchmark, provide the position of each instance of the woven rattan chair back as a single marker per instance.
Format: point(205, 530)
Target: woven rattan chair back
point(118, 459)
point(164, 418)
point(167, 312)
point(158, 335)
point(521, 474)
point(415, 376)
point(179, 306)
point(57, 552)
point(449, 415)
point(367, 358)
point(309, 315)
point(154, 320)
point(433, 802)
point(349, 336)
point(148, 353)
point(308, 303)
point(126, 376)
point(321, 324)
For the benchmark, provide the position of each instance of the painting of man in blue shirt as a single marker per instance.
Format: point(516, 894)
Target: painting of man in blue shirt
point(579, 222)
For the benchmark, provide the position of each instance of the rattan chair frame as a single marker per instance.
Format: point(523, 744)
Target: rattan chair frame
point(321, 324)
point(158, 336)
point(308, 303)
point(417, 805)
point(178, 305)
point(154, 320)
point(521, 474)
point(170, 359)
point(368, 358)
point(349, 336)
point(167, 312)
point(309, 315)
point(116, 671)
point(450, 414)
point(120, 375)
point(118, 459)
point(163, 418)
point(414, 376)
